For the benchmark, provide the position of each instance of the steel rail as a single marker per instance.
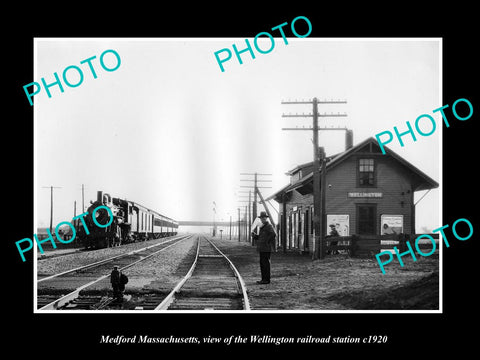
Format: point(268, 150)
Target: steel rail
point(54, 305)
point(84, 267)
point(246, 302)
point(171, 296)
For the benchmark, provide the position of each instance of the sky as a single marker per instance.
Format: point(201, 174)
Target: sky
point(169, 130)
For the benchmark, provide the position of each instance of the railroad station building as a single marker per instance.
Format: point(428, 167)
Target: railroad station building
point(367, 193)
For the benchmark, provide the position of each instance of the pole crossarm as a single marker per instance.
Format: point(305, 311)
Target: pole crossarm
point(258, 187)
point(297, 115)
point(331, 101)
point(311, 128)
point(255, 174)
point(297, 102)
point(252, 203)
point(311, 115)
point(319, 162)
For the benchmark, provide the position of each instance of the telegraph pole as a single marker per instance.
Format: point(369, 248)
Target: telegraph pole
point(83, 199)
point(214, 212)
point(238, 224)
point(249, 218)
point(319, 170)
point(51, 203)
point(255, 196)
point(266, 208)
point(245, 216)
point(255, 188)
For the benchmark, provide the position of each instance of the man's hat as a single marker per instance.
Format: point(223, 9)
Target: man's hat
point(263, 214)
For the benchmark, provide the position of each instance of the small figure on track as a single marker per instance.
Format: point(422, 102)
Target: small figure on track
point(265, 244)
point(117, 285)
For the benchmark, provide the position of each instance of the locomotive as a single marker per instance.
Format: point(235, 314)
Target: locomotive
point(131, 222)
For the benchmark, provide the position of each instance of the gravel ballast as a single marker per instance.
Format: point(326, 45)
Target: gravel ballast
point(55, 265)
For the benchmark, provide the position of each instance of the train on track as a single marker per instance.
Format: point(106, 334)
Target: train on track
point(131, 222)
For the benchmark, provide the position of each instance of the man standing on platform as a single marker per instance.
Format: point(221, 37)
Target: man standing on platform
point(265, 244)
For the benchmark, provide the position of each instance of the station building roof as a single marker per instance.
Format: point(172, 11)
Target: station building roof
point(305, 184)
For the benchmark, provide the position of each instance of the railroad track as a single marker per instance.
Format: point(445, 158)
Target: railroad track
point(50, 289)
point(54, 254)
point(212, 283)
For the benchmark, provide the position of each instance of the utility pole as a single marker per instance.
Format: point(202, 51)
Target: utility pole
point(230, 227)
point(243, 202)
point(238, 224)
point(249, 217)
point(51, 203)
point(266, 208)
point(320, 251)
point(245, 216)
point(268, 212)
point(283, 224)
point(83, 199)
point(319, 169)
point(255, 196)
point(255, 188)
point(214, 212)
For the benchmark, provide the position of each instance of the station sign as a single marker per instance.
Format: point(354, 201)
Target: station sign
point(365, 195)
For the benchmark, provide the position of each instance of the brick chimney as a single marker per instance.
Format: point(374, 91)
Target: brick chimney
point(348, 139)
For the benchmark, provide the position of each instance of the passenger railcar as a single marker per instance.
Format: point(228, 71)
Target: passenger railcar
point(131, 222)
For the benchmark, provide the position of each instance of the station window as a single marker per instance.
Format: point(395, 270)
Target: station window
point(366, 172)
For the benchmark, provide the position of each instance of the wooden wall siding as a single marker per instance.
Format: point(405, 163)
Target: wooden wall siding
point(393, 180)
